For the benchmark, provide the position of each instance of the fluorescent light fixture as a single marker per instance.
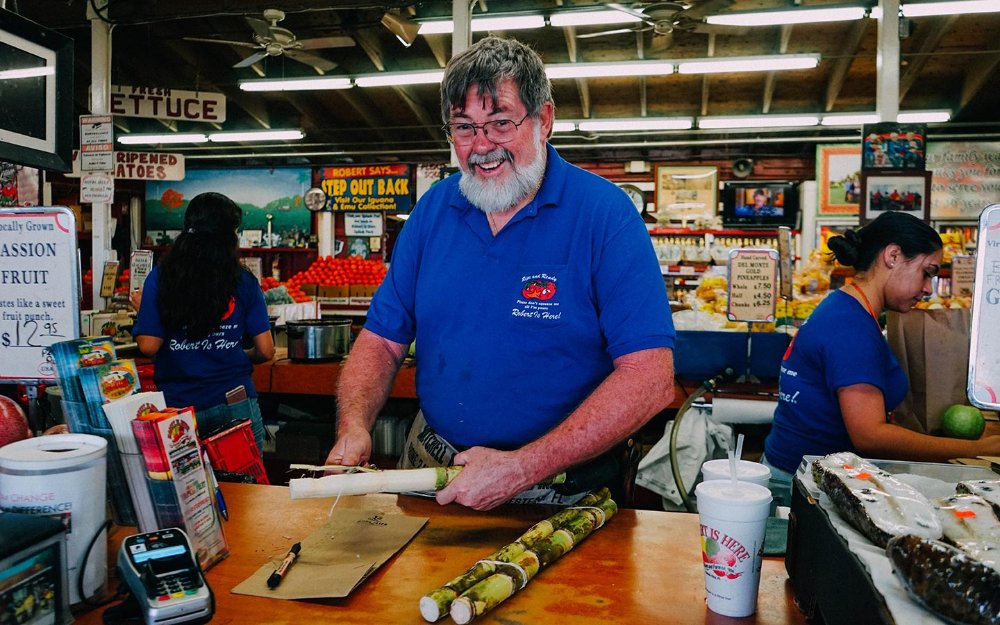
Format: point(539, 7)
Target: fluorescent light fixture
point(922, 9)
point(296, 84)
point(563, 127)
point(28, 72)
point(770, 63)
point(850, 119)
point(173, 137)
point(923, 117)
point(591, 18)
point(256, 135)
point(644, 123)
point(481, 24)
point(812, 15)
point(395, 79)
point(758, 121)
point(608, 70)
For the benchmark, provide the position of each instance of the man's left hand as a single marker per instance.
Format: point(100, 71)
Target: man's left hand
point(490, 478)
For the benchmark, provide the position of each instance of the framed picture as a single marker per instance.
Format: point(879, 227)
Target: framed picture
point(838, 175)
point(907, 191)
point(686, 193)
point(894, 146)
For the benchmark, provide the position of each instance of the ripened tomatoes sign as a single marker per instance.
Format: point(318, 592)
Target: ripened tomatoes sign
point(368, 188)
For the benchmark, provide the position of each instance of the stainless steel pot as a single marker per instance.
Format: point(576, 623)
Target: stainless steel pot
point(318, 339)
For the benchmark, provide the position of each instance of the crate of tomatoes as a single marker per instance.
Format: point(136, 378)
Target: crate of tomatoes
point(338, 279)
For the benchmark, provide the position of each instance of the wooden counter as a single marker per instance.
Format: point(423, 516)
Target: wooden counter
point(643, 567)
point(282, 375)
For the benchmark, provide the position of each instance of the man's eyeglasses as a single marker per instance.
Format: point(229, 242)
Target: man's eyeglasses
point(497, 130)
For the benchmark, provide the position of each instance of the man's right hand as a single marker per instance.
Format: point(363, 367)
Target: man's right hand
point(353, 447)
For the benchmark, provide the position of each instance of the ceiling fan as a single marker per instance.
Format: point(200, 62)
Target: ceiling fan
point(664, 18)
point(269, 39)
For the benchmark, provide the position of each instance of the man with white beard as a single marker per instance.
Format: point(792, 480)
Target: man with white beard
point(541, 319)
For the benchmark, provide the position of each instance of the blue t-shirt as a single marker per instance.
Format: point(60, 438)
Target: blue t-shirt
point(199, 373)
point(839, 345)
point(513, 332)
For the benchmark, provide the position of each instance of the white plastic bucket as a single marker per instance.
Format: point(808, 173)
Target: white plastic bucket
point(63, 476)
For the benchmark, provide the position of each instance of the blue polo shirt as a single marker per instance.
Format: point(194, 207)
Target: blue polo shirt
point(839, 345)
point(199, 373)
point(513, 332)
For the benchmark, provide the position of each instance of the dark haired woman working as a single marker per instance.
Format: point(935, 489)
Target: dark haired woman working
point(839, 379)
point(199, 304)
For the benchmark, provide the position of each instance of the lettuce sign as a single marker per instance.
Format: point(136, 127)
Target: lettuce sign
point(368, 188)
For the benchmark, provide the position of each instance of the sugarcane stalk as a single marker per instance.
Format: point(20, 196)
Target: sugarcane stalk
point(393, 481)
point(490, 592)
point(389, 481)
point(437, 602)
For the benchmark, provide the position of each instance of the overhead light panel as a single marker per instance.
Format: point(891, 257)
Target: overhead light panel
point(28, 72)
point(592, 18)
point(482, 24)
point(810, 15)
point(758, 121)
point(396, 79)
point(775, 62)
point(850, 119)
point(608, 70)
point(405, 30)
point(961, 7)
point(256, 135)
point(563, 127)
point(645, 123)
point(173, 137)
point(296, 84)
point(923, 117)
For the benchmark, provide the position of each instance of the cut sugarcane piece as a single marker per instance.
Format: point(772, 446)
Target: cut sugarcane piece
point(509, 579)
point(437, 602)
point(392, 481)
point(374, 481)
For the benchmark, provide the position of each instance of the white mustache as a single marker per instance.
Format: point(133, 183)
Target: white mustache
point(496, 154)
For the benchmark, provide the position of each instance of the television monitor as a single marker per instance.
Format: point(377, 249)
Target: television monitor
point(760, 204)
point(36, 94)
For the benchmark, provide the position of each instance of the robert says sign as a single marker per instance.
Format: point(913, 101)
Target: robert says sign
point(161, 103)
point(367, 188)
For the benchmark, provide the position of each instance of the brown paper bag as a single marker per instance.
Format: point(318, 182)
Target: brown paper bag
point(932, 346)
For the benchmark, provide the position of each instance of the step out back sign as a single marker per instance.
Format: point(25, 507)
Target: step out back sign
point(39, 290)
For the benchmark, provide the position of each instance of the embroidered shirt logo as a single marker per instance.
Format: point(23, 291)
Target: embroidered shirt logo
point(538, 289)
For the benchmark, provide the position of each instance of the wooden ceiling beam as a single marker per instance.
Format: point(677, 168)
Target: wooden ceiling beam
point(916, 62)
point(838, 75)
point(211, 76)
point(705, 82)
point(582, 86)
point(373, 49)
point(771, 80)
point(977, 77)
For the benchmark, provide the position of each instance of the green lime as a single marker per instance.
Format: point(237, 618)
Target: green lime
point(960, 421)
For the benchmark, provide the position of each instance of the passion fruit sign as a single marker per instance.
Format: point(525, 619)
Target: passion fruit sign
point(984, 355)
point(39, 289)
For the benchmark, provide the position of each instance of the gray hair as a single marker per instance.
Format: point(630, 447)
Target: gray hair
point(488, 63)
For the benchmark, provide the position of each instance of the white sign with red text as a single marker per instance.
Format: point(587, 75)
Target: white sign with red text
point(96, 142)
point(163, 103)
point(140, 166)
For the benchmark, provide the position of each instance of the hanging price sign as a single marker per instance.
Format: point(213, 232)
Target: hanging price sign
point(753, 285)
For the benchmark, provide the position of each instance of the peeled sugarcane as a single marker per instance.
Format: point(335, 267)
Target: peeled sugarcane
point(500, 586)
point(437, 603)
point(392, 481)
point(389, 481)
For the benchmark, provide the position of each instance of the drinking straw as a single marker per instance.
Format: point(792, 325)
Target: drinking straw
point(734, 458)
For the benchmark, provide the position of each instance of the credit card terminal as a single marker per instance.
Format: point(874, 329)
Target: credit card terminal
point(165, 579)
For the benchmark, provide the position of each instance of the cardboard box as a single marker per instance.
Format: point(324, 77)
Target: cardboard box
point(339, 295)
point(312, 290)
point(361, 295)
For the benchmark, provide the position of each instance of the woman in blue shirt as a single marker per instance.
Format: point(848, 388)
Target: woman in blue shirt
point(839, 380)
point(199, 304)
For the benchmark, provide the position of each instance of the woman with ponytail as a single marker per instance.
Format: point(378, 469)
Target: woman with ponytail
point(195, 309)
point(839, 379)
